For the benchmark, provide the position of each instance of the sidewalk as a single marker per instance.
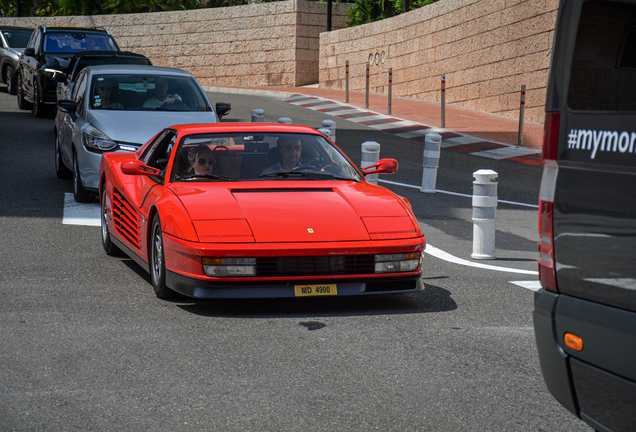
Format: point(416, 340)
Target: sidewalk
point(466, 130)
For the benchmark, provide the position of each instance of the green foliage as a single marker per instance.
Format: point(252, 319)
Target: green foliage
point(136, 6)
point(367, 11)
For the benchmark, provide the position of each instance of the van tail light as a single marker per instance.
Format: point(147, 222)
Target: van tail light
point(547, 271)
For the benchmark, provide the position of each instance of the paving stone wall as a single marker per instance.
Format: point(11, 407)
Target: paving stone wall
point(486, 48)
point(263, 44)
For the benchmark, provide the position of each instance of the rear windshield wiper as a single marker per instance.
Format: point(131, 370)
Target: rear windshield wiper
point(204, 176)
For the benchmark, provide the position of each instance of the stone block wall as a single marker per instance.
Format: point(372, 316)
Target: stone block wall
point(267, 44)
point(486, 48)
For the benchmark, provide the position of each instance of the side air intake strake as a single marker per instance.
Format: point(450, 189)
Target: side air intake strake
point(126, 220)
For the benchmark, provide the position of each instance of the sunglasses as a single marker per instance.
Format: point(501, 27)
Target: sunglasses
point(105, 88)
point(290, 147)
point(203, 161)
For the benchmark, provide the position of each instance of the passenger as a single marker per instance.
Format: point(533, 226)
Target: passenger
point(161, 95)
point(103, 91)
point(289, 149)
point(201, 159)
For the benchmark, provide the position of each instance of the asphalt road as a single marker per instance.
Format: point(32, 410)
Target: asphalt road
point(87, 346)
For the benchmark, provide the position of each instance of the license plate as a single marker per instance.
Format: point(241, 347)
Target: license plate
point(315, 290)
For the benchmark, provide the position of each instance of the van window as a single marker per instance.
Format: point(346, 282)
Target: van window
point(603, 74)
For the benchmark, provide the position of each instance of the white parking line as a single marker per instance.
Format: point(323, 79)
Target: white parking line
point(80, 214)
point(438, 253)
point(533, 285)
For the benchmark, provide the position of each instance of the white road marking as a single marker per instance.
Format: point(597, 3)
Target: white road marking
point(79, 213)
point(531, 285)
point(438, 253)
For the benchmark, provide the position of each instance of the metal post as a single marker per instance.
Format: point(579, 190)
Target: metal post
point(521, 108)
point(443, 100)
point(331, 126)
point(432, 147)
point(18, 8)
point(390, 85)
point(329, 15)
point(347, 81)
point(406, 6)
point(257, 115)
point(286, 120)
point(370, 156)
point(484, 214)
point(366, 104)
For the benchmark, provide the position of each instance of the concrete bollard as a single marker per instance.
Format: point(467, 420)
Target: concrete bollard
point(257, 115)
point(331, 125)
point(484, 214)
point(370, 156)
point(286, 120)
point(432, 146)
point(325, 131)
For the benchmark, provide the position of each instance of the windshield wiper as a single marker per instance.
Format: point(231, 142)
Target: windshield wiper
point(304, 174)
point(205, 176)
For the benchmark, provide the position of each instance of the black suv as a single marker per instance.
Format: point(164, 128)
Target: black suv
point(585, 315)
point(12, 41)
point(48, 54)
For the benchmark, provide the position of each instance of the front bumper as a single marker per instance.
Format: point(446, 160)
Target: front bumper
point(208, 290)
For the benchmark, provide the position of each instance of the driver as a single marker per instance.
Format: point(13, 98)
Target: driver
point(289, 149)
point(161, 95)
point(201, 159)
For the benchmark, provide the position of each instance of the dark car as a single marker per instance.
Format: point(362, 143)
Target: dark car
point(13, 40)
point(95, 58)
point(48, 54)
point(585, 314)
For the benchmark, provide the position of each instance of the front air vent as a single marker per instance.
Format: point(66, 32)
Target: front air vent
point(126, 220)
point(315, 265)
point(281, 190)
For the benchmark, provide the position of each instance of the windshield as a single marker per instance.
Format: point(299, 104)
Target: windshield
point(256, 156)
point(17, 38)
point(139, 92)
point(75, 42)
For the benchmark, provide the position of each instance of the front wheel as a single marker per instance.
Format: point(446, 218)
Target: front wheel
point(10, 80)
point(60, 169)
point(80, 194)
point(157, 261)
point(39, 110)
point(107, 243)
point(23, 104)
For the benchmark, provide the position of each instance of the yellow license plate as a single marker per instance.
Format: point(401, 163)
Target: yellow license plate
point(315, 290)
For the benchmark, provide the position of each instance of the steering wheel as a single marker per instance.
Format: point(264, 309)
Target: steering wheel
point(221, 147)
point(304, 168)
point(176, 106)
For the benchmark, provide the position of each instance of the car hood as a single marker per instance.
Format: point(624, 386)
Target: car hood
point(281, 211)
point(59, 62)
point(137, 127)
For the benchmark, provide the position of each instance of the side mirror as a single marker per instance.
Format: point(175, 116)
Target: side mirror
point(137, 167)
point(67, 105)
point(223, 109)
point(61, 77)
point(29, 52)
point(383, 166)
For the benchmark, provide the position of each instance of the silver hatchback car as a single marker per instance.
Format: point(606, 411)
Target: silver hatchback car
point(119, 108)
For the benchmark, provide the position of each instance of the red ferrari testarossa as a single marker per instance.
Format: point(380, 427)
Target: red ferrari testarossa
point(233, 210)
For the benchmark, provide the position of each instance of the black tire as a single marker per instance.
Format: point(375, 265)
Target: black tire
point(107, 243)
point(19, 91)
point(10, 80)
point(61, 170)
point(157, 261)
point(39, 110)
point(80, 194)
